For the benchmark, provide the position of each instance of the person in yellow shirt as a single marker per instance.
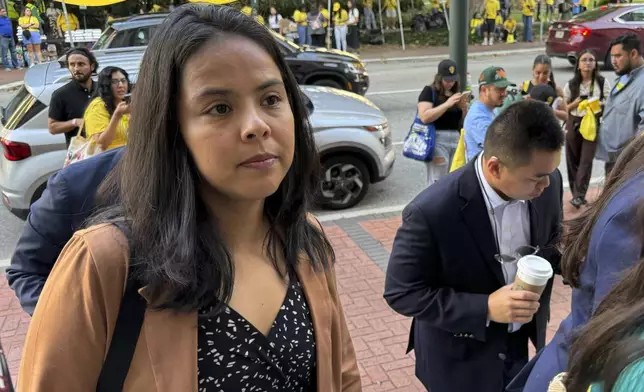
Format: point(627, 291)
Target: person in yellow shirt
point(550, 10)
point(300, 16)
point(391, 8)
point(31, 35)
point(340, 19)
point(528, 11)
point(475, 25)
point(247, 10)
point(369, 16)
point(107, 116)
point(492, 8)
point(510, 28)
point(74, 24)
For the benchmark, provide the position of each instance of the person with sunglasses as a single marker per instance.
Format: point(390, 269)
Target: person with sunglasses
point(454, 259)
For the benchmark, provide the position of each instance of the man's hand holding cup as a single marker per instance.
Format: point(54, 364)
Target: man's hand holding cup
point(507, 306)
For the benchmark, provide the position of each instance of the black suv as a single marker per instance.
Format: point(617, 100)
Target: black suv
point(311, 65)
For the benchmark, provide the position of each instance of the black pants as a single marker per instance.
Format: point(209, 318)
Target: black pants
point(353, 38)
point(318, 39)
point(579, 158)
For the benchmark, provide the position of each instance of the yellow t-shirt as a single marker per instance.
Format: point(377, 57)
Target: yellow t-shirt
point(391, 4)
point(510, 25)
point(300, 17)
point(550, 2)
point(97, 118)
point(475, 22)
point(32, 20)
point(499, 20)
point(492, 7)
point(73, 22)
point(341, 17)
point(368, 3)
point(528, 7)
point(325, 13)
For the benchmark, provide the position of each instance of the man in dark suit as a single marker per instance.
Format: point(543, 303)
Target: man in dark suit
point(62, 209)
point(470, 331)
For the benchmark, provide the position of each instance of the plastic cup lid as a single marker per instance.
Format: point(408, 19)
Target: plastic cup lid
point(536, 267)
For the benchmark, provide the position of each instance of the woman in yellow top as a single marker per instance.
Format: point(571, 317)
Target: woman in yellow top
point(340, 19)
point(528, 10)
point(492, 8)
point(31, 35)
point(510, 27)
point(107, 117)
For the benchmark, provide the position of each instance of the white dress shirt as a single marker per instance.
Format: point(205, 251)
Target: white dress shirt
point(512, 228)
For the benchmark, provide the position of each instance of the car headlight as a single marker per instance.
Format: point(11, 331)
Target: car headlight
point(356, 67)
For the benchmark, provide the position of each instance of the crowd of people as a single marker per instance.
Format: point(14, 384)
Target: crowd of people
point(185, 256)
point(454, 271)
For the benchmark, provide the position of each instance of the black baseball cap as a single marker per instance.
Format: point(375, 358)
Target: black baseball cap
point(544, 93)
point(447, 69)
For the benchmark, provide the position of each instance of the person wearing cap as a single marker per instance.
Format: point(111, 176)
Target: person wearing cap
point(492, 8)
point(340, 19)
point(442, 104)
point(545, 93)
point(493, 84)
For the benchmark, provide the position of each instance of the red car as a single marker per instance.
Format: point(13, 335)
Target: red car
point(594, 29)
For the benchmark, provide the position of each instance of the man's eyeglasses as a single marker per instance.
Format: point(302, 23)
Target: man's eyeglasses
point(520, 252)
point(116, 82)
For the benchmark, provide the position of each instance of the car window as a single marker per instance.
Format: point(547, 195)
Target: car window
point(22, 108)
point(635, 16)
point(591, 15)
point(105, 39)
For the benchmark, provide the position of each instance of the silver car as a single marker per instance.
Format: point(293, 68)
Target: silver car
point(351, 133)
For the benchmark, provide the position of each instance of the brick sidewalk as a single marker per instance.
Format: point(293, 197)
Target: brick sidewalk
point(11, 77)
point(362, 248)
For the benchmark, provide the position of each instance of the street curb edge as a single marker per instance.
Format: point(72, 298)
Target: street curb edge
point(384, 60)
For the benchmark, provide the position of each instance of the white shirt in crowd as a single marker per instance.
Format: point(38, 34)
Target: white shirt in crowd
point(584, 89)
point(512, 222)
point(354, 15)
point(274, 21)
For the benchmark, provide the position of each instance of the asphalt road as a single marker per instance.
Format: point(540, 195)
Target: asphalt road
point(395, 88)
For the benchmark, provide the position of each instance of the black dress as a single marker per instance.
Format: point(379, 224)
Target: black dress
point(233, 355)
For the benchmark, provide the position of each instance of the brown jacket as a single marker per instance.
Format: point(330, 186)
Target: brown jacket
point(76, 313)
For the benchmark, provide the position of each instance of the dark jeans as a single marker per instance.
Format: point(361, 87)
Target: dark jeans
point(579, 158)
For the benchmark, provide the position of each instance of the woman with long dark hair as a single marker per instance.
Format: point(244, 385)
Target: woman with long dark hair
point(542, 74)
point(587, 83)
point(208, 211)
point(442, 104)
point(599, 246)
point(107, 116)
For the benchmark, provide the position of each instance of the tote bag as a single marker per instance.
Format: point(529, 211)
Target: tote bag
point(421, 139)
point(81, 148)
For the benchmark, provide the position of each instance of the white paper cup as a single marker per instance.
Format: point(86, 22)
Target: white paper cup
point(533, 273)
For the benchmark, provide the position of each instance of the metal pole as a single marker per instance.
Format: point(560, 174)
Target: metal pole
point(382, 31)
point(328, 26)
point(253, 5)
point(402, 34)
point(446, 15)
point(69, 26)
point(458, 37)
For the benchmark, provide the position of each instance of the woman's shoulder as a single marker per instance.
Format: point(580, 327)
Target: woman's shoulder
point(104, 242)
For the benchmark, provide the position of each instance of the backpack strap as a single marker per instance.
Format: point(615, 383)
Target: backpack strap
point(126, 334)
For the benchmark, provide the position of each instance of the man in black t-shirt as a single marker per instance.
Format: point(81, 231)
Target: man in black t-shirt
point(68, 103)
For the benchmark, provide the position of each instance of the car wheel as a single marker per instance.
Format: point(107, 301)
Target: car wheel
point(345, 182)
point(328, 83)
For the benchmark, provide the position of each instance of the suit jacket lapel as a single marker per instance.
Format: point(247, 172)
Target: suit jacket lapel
point(476, 217)
point(534, 223)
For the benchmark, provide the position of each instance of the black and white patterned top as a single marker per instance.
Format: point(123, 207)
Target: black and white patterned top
point(233, 355)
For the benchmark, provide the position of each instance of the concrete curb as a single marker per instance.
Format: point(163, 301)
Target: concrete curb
point(385, 60)
point(5, 88)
